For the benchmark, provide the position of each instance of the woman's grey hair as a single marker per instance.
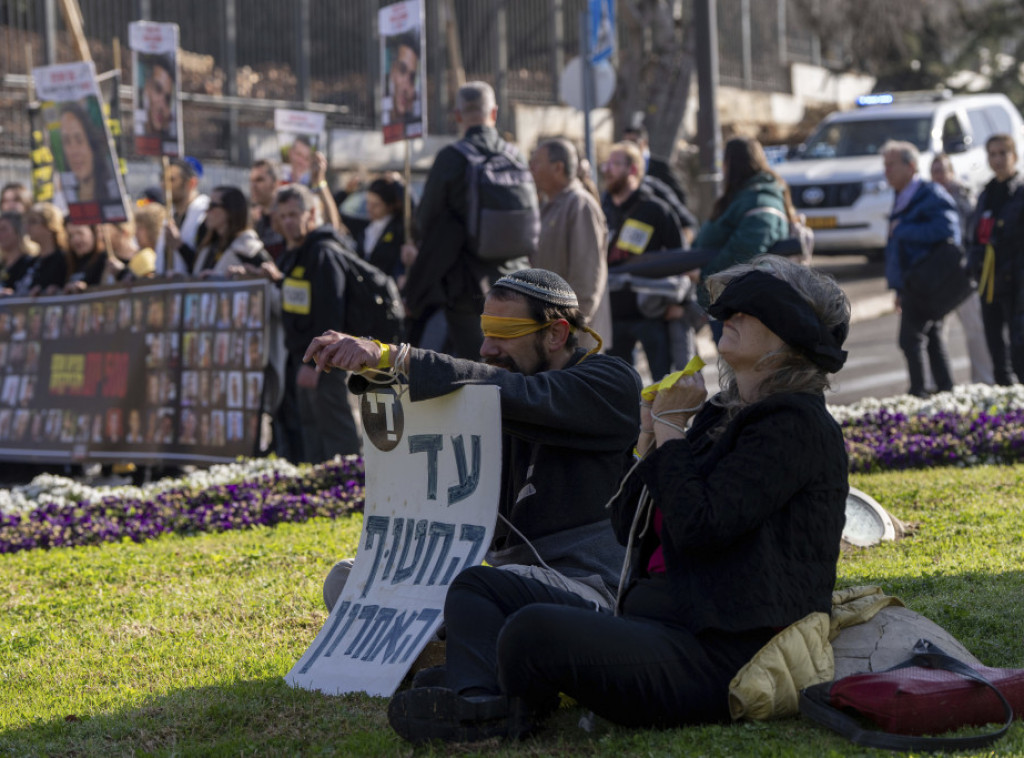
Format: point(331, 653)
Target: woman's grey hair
point(793, 370)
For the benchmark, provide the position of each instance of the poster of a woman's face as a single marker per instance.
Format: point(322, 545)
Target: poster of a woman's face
point(85, 162)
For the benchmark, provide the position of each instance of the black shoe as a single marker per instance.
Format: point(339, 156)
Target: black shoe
point(435, 676)
point(437, 713)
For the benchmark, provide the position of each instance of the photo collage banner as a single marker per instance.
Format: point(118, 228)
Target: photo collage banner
point(163, 372)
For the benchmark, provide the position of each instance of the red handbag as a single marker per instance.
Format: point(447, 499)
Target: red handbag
point(929, 694)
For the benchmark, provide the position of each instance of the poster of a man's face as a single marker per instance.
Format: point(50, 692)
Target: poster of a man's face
point(156, 122)
point(299, 137)
point(402, 83)
point(402, 109)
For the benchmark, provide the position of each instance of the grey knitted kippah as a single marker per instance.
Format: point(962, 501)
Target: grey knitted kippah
point(546, 286)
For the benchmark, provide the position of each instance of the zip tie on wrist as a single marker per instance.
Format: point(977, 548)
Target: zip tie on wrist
point(392, 374)
point(659, 418)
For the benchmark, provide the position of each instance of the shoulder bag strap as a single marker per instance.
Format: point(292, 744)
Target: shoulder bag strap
point(475, 158)
point(814, 703)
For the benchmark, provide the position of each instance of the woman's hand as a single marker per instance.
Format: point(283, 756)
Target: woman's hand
point(675, 405)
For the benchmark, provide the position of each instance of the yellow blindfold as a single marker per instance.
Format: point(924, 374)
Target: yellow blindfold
point(504, 327)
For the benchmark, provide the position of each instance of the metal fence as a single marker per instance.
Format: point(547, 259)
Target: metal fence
point(242, 58)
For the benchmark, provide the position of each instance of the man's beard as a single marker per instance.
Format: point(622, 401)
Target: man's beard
point(616, 185)
point(503, 361)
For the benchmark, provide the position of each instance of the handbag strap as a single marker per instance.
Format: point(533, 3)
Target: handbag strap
point(815, 704)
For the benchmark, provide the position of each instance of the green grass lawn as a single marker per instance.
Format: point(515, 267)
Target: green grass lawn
point(179, 646)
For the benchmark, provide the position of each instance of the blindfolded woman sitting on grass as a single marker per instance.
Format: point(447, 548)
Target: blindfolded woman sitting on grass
point(735, 522)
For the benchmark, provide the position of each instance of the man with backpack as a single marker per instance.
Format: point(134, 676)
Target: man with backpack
point(477, 221)
point(323, 287)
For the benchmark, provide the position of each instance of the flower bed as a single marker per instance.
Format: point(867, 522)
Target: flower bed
point(54, 511)
point(971, 425)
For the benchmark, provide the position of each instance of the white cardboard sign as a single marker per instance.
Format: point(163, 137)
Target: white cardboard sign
point(433, 472)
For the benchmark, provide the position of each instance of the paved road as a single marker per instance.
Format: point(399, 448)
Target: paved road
point(876, 367)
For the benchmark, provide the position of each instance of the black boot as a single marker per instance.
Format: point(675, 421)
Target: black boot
point(437, 713)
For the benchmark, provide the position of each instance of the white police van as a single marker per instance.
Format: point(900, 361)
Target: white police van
point(836, 177)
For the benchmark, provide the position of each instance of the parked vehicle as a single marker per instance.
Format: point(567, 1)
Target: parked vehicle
point(836, 176)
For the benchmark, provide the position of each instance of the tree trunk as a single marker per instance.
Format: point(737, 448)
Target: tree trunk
point(656, 63)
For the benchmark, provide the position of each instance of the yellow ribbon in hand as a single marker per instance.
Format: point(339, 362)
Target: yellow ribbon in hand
point(695, 365)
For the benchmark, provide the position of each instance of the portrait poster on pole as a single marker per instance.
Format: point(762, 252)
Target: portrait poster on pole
point(299, 136)
point(402, 49)
point(156, 79)
point(433, 472)
point(83, 149)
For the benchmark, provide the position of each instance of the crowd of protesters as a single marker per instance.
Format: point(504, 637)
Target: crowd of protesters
point(585, 234)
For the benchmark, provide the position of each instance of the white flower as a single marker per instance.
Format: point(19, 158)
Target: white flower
point(964, 399)
point(50, 488)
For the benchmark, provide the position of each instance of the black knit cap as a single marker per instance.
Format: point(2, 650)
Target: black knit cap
point(539, 283)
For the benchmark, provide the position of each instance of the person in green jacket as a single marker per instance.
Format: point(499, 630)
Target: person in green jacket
point(751, 215)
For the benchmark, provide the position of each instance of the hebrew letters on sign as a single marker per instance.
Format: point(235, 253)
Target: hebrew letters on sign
point(431, 502)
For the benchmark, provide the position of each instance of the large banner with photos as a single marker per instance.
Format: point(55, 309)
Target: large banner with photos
point(156, 372)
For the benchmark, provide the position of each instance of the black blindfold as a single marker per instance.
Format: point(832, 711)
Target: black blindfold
point(783, 310)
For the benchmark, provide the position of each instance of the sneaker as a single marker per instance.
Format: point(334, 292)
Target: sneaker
point(335, 582)
point(437, 713)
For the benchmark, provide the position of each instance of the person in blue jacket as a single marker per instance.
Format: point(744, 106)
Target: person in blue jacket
point(923, 215)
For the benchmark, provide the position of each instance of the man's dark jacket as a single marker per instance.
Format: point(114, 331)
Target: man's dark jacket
point(646, 209)
point(1006, 201)
point(317, 262)
point(446, 272)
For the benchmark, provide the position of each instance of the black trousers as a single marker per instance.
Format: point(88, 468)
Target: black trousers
point(652, 334)
point(921, 337)
point(506, 633)
point(1007, 359)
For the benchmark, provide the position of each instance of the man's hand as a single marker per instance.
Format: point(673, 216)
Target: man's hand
point(336, 350)
point(317, 169)
point(674, 312)
point(409, 254)
point(307, 378)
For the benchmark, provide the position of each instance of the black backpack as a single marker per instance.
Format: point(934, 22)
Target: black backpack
point(373, 305)
point(502, 215)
